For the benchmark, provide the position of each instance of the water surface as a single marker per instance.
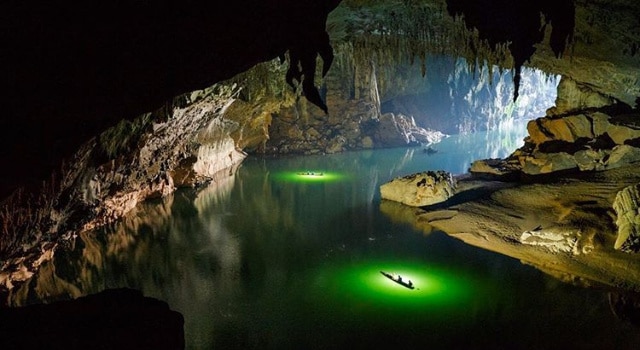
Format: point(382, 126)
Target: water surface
point(271, 259)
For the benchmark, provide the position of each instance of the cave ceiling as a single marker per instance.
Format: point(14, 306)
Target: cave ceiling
point(73, 69)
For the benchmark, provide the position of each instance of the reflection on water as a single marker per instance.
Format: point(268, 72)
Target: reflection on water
point(264, 261)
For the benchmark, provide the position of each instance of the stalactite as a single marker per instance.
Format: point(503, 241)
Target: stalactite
point(374, 92)
point(409, 31)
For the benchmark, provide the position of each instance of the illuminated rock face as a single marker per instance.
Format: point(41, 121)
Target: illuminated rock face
point(563, 226)
point(420, 189)
point(184, 145)
point(585, 141)
point(574, 96)
point(187, 143)
point(400, 130)
point(627, 209)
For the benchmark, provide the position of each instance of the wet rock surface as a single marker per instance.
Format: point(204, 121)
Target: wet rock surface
point(590, 140)
point(564, 226)
point(187, 143)
point(420, 189)
point(626, 206)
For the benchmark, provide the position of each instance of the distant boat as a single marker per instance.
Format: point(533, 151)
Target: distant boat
point(398, 279)
point(429, 150)
point(310, 173)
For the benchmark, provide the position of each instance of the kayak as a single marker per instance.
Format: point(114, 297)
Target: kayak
point(398, 279)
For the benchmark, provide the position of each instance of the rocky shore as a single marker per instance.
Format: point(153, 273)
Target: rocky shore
point(566, 202)
point(186, 143)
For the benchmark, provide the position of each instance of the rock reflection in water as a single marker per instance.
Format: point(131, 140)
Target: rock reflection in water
point(563, 227)
point(165, 248)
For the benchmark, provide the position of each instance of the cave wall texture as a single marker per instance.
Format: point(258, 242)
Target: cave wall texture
point(74, 70)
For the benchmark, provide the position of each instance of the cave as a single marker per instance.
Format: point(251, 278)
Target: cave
point(258, 174)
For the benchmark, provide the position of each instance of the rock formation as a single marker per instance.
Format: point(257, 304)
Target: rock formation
point(186, 143)
point(628, 219)
point(78, 101)
point(564, 226)
point(420, 189)
point(587, 136)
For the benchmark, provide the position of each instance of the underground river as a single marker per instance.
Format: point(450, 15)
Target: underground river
point(268, 258)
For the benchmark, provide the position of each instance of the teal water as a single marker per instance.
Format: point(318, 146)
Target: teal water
point(268, 259)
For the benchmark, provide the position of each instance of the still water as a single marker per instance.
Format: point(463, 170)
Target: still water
point(268, 259)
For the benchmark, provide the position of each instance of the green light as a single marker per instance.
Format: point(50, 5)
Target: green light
point(360, 290)
point(432, 285)
point(308, 176)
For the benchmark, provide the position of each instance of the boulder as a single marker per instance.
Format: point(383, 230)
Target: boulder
point(573, 96)
point(591, 159)
point(587, 141)
point(567, 129)
point(628, 219)
point(544, 163)
point(622, 133)
point(623, 155)
point(420, 189)
point(587, 126)
point(493, 168)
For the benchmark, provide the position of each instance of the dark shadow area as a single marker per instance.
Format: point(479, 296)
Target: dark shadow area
point(113, 319)
point(70, 70)
point(626, 306)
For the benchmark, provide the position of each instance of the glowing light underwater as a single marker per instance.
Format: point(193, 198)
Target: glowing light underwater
point(435, 287)
point(309, 176)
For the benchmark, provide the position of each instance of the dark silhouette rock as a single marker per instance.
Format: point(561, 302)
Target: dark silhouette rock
point(112, 319)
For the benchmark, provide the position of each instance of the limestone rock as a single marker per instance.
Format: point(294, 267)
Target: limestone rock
point(588, 141)
point(493, 167)
point(621, 133)
point(420, 189)
point(545, 163)
point(567, 129)
point(554, 240)
point(588, 125)
point(590, 159)
point(395, 130)
point(623, 155)
point(336, 145)
point(628, 219)
point(573, 95)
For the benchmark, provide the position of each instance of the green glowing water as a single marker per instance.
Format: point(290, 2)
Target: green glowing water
point(271, 259)
point(303, 176)
point(361, 291)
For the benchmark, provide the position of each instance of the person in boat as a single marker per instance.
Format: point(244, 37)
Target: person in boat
point(407, 283)
point(429, 150)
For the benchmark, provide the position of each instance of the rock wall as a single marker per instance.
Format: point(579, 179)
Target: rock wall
point(628, 219)
point(590, 135)
point(574, 96)
point(279, 121)
point(186, 143)
point(585, 130)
